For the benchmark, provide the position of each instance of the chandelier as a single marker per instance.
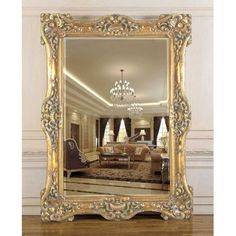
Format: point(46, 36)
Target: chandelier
point(122, 93)
point(135, 110)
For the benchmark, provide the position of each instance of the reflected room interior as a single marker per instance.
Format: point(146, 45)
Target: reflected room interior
point(116, 119)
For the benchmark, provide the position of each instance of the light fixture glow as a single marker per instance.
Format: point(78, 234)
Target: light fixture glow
point(79, 82)
point(153, 103)
point(122, 93)
point(134, 110)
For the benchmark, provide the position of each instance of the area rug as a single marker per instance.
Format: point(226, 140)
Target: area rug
point(138, 172)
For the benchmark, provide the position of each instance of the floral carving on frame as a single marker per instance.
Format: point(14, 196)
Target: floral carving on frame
point(117, 208)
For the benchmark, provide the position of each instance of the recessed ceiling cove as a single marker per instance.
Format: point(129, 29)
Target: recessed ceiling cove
point(97, 63)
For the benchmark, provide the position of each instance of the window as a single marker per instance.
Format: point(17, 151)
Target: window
point(106, 133)
point(162, 131)
point(122, 132)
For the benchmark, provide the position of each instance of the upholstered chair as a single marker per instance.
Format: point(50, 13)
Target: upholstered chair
point(74, 159)
point(156, 162)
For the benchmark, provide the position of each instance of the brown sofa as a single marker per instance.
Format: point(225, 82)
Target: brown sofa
point(139, 151)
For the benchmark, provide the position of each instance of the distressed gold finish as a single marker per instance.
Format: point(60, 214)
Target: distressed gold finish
point(116, 25)
point(178, 204)
point(117, 208)
point(55, 207)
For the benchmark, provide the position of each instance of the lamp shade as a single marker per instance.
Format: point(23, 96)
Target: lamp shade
point(111, 132)
point(142, 132)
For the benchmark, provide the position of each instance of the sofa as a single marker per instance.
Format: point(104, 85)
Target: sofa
point(138, 151)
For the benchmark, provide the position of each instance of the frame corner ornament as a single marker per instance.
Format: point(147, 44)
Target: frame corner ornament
point(53, 27)
point(54, 206)
point(178, 27)
point(180, 203)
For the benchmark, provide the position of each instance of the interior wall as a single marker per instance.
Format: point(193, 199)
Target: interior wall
point(199, 79)
point(144, 122)
point(87, 129)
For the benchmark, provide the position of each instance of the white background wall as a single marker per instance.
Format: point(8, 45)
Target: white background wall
point(199, 82)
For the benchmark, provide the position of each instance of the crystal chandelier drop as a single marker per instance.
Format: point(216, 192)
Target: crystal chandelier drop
point(135, 110)
point(122, 93)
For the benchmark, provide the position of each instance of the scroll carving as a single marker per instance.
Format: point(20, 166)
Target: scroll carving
point(180, 115)
point(116, 25)
point(54, 206)
point(117, 208)
point(177, 27)
point(51, 116)
point(180, 203)
point(55, 26)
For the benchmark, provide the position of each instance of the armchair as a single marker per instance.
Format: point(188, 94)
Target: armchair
point(74, 160)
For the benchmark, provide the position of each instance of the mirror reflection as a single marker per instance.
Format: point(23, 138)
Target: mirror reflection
point(116, 119)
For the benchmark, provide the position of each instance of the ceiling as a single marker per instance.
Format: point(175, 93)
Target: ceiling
point(97, 63)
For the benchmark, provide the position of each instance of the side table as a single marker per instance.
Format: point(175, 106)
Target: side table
point(165, 169)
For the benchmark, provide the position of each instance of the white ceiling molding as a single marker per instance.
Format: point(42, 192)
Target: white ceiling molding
point(83, 110)
point(84, 87)
point(83, 104)
point(80, 99)
point(78, 94)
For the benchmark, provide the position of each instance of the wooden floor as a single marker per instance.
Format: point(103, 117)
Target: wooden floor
point(141, 225)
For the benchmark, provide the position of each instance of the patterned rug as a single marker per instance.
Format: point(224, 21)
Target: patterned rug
point(114, 170)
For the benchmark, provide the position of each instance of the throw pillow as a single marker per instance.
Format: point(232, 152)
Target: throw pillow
point(108, 149)
point(138, 150)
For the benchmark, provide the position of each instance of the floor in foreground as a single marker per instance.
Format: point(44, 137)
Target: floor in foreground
point(200, 225)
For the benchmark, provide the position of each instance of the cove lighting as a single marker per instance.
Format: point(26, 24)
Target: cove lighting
point(79, 82)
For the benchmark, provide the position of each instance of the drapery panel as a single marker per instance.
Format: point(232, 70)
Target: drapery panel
point(156, 127)
point(103, 123)
point(167, 123)
point(117, 122)
point(97, 133)
point(127, 122)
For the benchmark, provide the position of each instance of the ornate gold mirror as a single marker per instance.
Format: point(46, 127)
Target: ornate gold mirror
point(115, 117)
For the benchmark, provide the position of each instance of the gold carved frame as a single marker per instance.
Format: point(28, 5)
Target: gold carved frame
point(179, 203)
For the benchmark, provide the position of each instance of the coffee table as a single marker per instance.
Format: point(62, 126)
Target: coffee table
point(114, 157)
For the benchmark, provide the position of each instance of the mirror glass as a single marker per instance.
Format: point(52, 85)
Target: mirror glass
point(116, 119)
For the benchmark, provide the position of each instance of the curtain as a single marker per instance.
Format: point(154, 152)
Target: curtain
point(167, 123)
point(117, 122)
point(97, 132)
point(156, 127)
point(103, 123)
point(128, 126)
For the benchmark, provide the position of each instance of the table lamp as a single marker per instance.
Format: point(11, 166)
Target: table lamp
point(142, 133)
